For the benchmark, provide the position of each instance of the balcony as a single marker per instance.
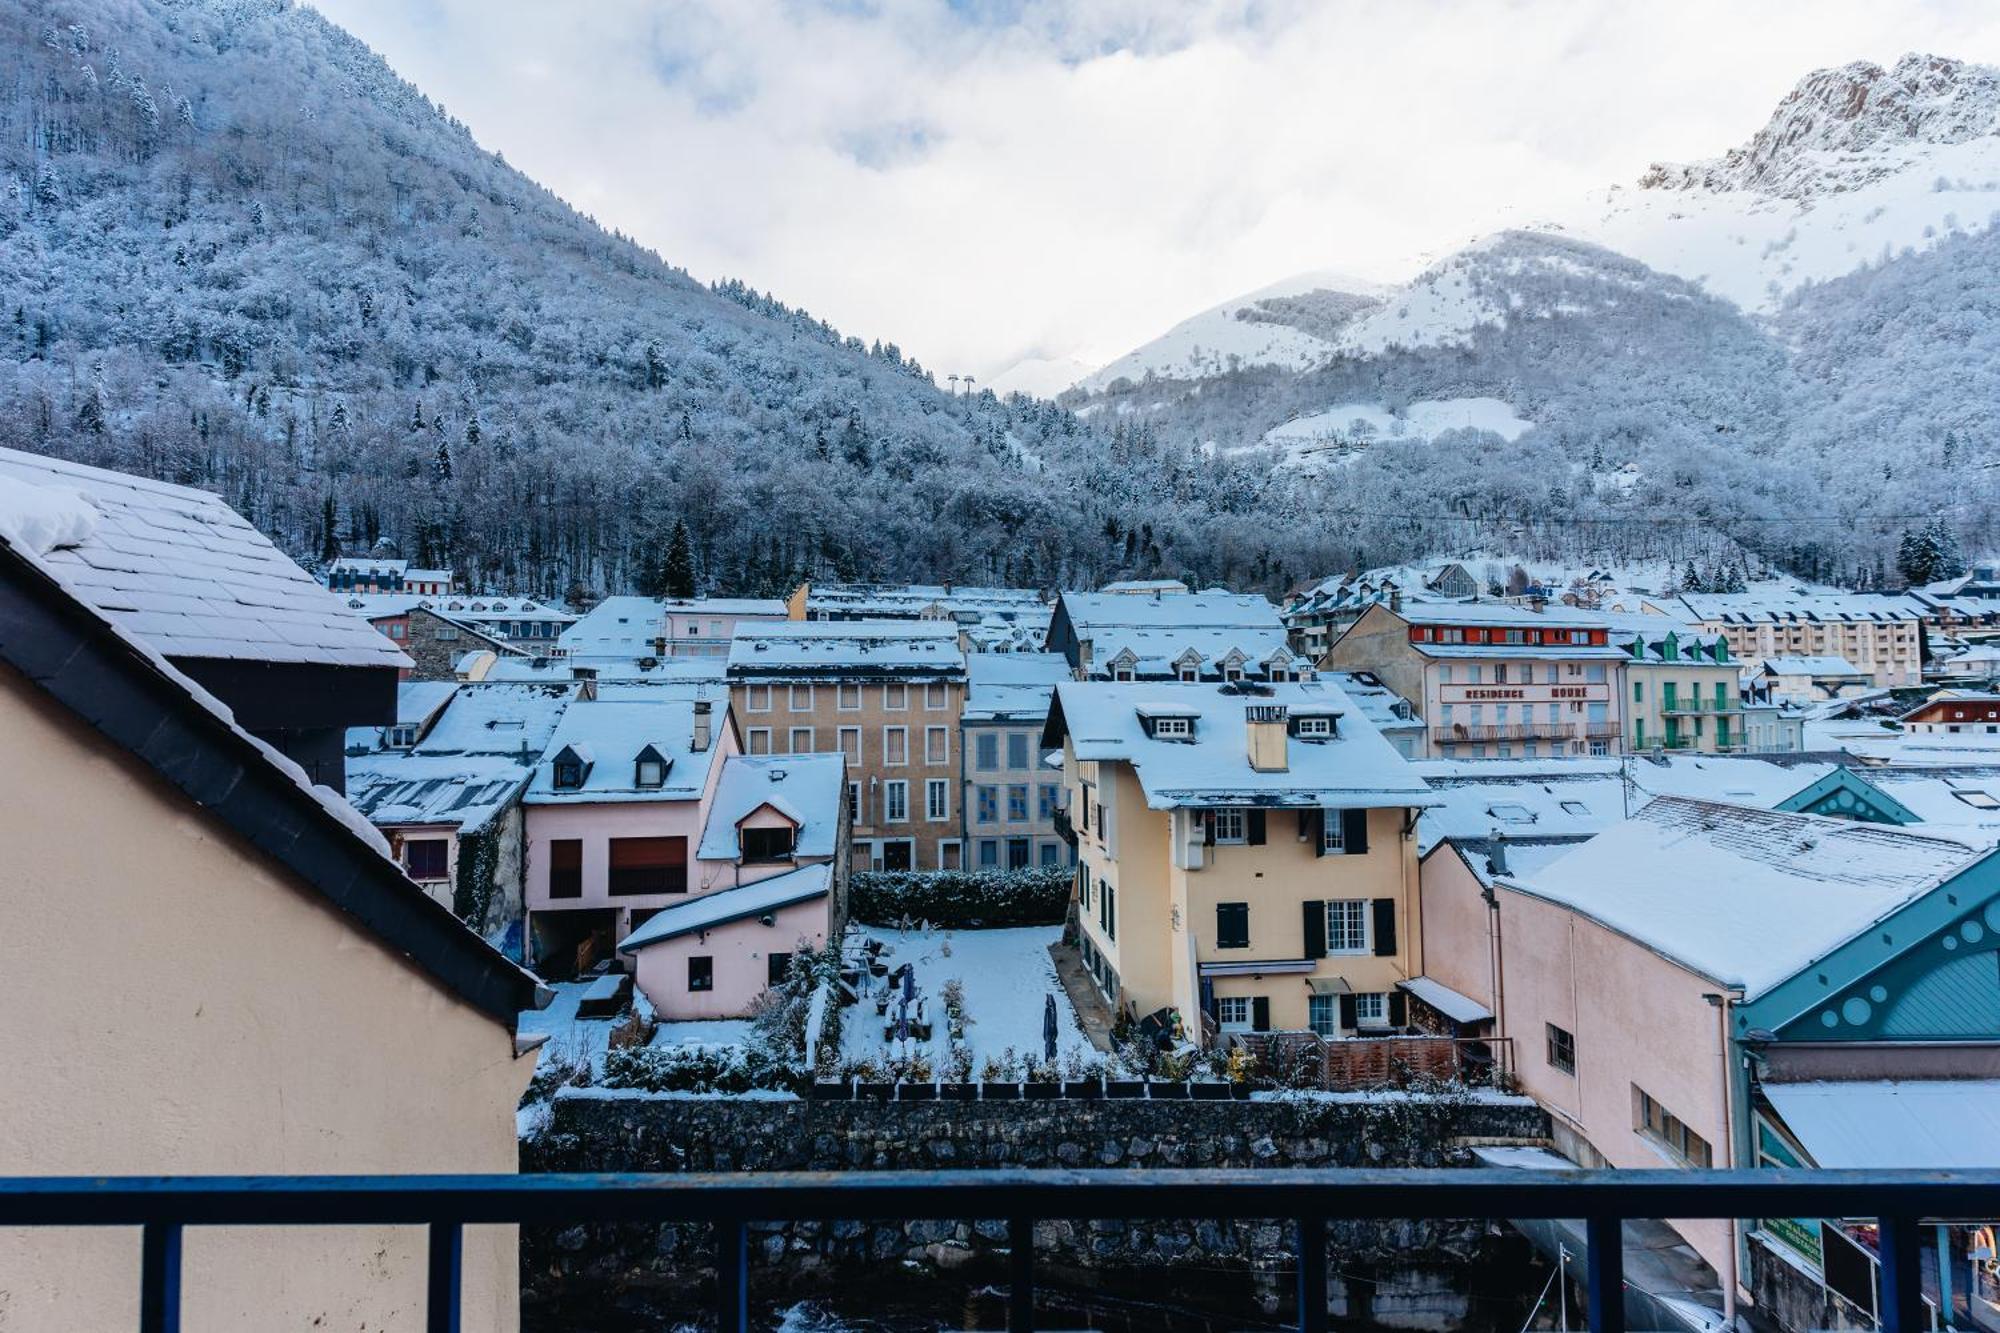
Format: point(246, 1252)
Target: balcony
point(1700, 707)
point(1478, 733)
point(1902, 1201)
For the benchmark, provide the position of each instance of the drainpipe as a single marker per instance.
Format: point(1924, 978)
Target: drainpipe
point(1721, 1003)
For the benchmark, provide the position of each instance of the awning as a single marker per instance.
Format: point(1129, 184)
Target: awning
point(1932, 1124)
point(1458, 1008)
point(1329, 986)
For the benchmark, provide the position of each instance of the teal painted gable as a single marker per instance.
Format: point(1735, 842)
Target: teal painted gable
point(1842, 794)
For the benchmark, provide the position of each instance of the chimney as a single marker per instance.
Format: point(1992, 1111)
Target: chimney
point(1396, 600)
point(1496, 854)
point(1266, 726)
point(700, 742)
point(586, 679)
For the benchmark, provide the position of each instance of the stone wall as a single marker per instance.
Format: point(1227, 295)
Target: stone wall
point(596, 1131)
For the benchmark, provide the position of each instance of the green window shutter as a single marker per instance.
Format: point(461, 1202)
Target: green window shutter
point(1385, 927)
point(1315, 928)
point(1253, 827)
point(1354, 831)
point(1350, 1019)
point(1260, 1013)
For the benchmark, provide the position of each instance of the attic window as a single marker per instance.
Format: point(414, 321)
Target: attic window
point(1978, 800)
point(1173, 728)
point(651, 773)
point(1577, 808)
point(402, 737)
point(1121, 673)
point(1311, 728)
point(1510, 812)
point(1187, 674)
point(569, 775)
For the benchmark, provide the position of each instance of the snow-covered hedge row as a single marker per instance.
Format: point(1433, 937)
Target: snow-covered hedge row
point(699, 1069)
point(1038, 896)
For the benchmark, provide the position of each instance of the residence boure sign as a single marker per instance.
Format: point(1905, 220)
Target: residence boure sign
point(1523, 693)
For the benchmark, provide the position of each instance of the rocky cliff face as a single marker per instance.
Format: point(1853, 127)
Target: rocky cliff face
point(1843, 128)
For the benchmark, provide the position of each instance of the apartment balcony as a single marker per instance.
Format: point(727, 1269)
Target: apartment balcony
point(1478, 733)
point(1700, 707)
point(1902, 1202)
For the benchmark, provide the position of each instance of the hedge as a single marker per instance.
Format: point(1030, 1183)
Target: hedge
point(1037, 896)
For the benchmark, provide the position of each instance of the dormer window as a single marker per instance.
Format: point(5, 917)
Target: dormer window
point(767, 844)
point(1173, 728)
point(1315, 728)
point(1188, 675)
point(569, 775)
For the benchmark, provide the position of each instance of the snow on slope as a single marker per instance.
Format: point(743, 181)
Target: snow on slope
point(1334, 435)
point(1241, 331)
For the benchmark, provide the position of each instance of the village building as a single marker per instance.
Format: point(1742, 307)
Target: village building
point(191, 579)
point(1682, 689)
point(884, 694)
point(1389, 712)
point(1804, 681)
point(771, 879)
point(1955, 712)
point(436, 645)
point(1169, 636)
point(704, 626)
point(1315, 616)
point(1494, 681)
point(1966, 605)
point(1679, 989)
point(1246, 855)
point(267, 992)
point(1009, 797)
point(379, 574)
point(1144, 587)
point(916, 601)
point(614, 811)
point(1882, 635)
point(624, 629)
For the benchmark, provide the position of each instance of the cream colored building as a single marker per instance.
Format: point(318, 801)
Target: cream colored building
point(214, 968)
point(1244, 852)
point(1682, 692)
point(1879, 633)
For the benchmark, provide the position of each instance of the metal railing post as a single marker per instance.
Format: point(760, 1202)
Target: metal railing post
point(732, 1278)
point(1902, 1277)
point(160, 1279)
point(447, 1287)
point(1021, 1274)
point(1312, 1275)
point(1604, 1238)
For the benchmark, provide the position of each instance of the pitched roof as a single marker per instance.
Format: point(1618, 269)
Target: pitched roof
point(726, 905)
point(188, 575)
point(1811, 666)
point(1018, 687)
point(806, 649)
point(1090, 613)
point(610, 733)
point(806, 788)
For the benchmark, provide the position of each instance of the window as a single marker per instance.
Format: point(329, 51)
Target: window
point(1978, 800)
point(1232, 1012)
point(1083, 886)
point(801, 700)
point(1323, 1015)
point(1107, 908)
point(1347, 925)
point(1045, 804)
point(1173, 728)
point(896, 697)
point(1187, 674)
point(1050, 854)
point(802, 740)
point(767, 844)
point(1371, 1007)
point(1018, 851)
point(986, 752)
point(402, 737)
point(759, 739)
point(896, 801)
point(649, 773)
point(937, 745)
point(937, 799)
point(987, 803)
point(1228, 826)
point(847, 698)
point(1333, 833)
point(445, 633)
point(1017, 750)
point(1638, 691)
point(396, 629)
point(850, 744)
point(895, 746)
point(648, 865)
point(1562, 1049)
point(776, 967)
point(1665, 1128)
point(1017, 804)
point(1232, 925)
point(934, 696)
point(854, 802)
point(701, 973)
point(566, 868)
point(425, 857)
point(757, 699)
point(569, 773)
point(1315, 728)
point(989, 853)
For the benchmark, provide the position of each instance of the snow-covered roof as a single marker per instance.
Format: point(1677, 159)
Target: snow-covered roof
point(187, 574)
point(772, 608)
point(900, 600)
point(1811, 666)
point(1356, 768)
point(609, 734)
point(1092, 613)
point(472, 763)
point(1952, 696)
point(805, 649)
point(1127, 587)
point(1743, 896)
point(1458, 1008)
point(418, 700)
point(481, 610)
point(1749, 608)
point(1003, 687)
point(1928, 1125)
point(1500, 613)
point(611, 673)
point(617, 627)
point(1388, 710)
point(1156, 652)
point(736, 904)
point(806, 788)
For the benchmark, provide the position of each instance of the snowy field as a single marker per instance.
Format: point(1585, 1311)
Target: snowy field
point(1006, 975)
point(1324, 436)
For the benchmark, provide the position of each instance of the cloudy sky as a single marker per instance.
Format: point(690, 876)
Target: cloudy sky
point(984, 181)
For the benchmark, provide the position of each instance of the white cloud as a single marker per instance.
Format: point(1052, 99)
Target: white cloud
point(994, 179)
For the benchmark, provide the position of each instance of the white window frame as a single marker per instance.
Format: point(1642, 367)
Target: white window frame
point(847, 698)
point(752, 693)
point(937, 800)
point(850, 744)
point(753, 736)
point(1232, 826)
point(1316, 727)
point(1333, 833)
point(896, 792)
point(979, 744)
point(1234, 1013)
point(854, 803)
point(936, 697)
point(792, 699)
point(888, 755)
point(1371, 1009)
point(896, 698)
point(942, 753)
point(1349, 919)
point(792, 740)
point(1323, 1014)
point(1172, 728)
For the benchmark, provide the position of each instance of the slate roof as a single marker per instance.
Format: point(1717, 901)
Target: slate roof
point(1016, 687)
point(188, 575)
point(611, 733)
point(1752, 608)
point(810, 649)
point(726, 905)
point(808, 788)
point(472, 764)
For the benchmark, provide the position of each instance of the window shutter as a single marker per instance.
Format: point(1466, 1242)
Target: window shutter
point(1399, 1008)
point(1318, 831)
point(1232, 925)
point(1349, 1019)
point(1260, 1013)
point(1315, 929)
point(1385, 927)
point(1306, 829)
point(1254, 827)
point(1208, 828)
point(1354, 831)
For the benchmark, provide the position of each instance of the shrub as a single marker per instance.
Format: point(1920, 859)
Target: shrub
point(1037, 896)
point(698, 1069)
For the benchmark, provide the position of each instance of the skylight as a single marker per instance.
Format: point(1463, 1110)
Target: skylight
point(1577, 808)
point(1978, 800)
point(1510, 812)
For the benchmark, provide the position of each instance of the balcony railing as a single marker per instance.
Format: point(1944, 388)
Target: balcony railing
point(164, 1208)
point(1474, 733)
point(1700, 707)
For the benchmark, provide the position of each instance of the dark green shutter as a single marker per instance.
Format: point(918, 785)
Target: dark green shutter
point(1317, 830)
point(1315, 929)
point(1208, 828)
point(1399, 1008)
point(1385, 927)
point(1255, 828)
point(1349, 1020)
point(1232, 925)
point(1306, 829)
point(1260, 1013)
point(1354, 831)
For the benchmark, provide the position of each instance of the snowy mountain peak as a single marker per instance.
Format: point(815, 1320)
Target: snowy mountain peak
point(1842, 129)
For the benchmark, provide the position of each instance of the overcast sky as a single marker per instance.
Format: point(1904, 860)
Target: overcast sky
point(987, 180)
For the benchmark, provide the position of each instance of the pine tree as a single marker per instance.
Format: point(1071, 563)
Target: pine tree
point(329, 531)
point(1949, 556)
point(677, 575)
point(441, 461)
point(1691, 580)
point(1917, 557)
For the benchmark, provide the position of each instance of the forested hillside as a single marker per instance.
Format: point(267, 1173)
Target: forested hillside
point(237, 251)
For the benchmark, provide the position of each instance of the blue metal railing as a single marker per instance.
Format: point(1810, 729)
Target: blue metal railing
point(1603, 1200)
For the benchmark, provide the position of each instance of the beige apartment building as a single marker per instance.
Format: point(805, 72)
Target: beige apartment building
point(884, 694)
point(1683, 692)
point(1880, 633)
point(1245, 853)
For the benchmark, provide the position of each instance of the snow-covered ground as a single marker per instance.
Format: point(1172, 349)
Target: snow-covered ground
point(1339, 431)
point(1006, 975)
point(704, 1032)
point(570, 1036)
